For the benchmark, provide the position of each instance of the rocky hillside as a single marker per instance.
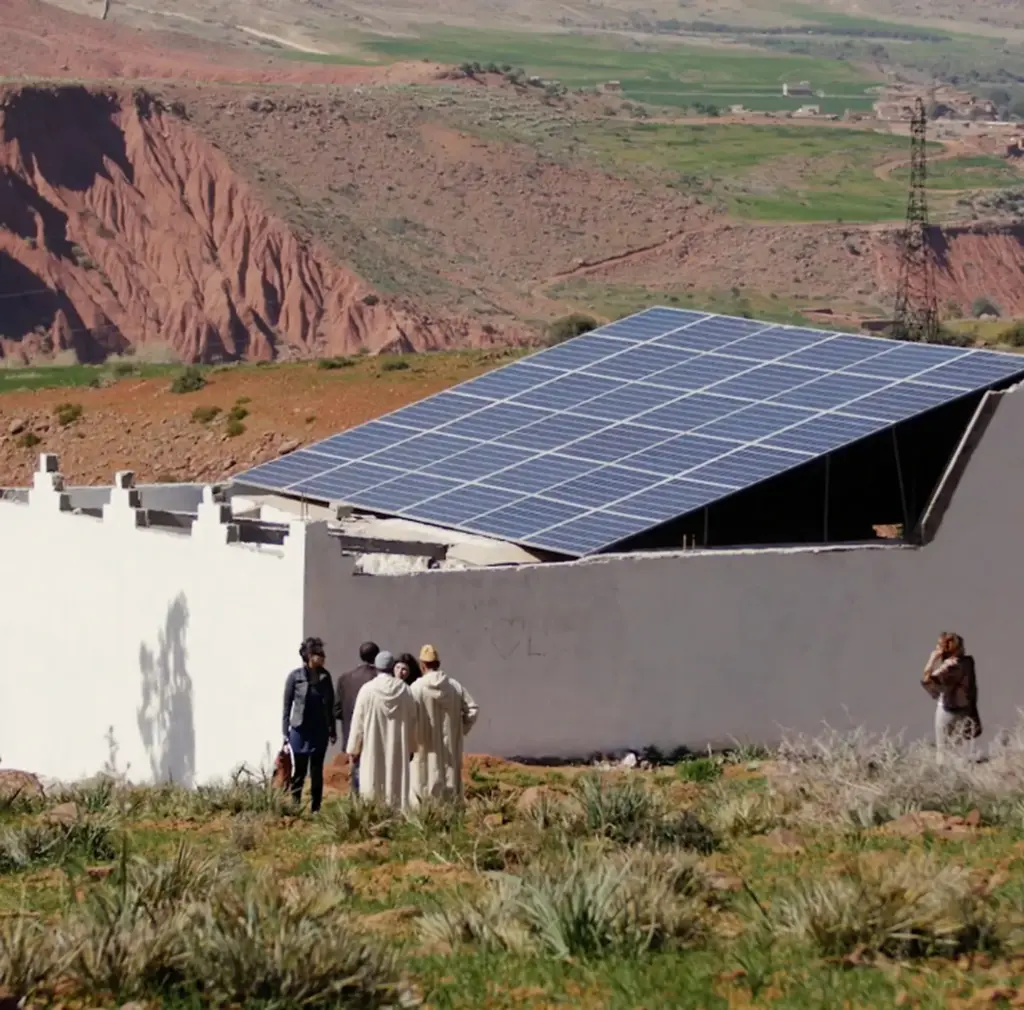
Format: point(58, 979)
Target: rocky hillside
point(121, 228)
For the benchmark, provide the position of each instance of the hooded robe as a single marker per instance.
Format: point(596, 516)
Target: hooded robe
point(447, 713)
point(383, 734)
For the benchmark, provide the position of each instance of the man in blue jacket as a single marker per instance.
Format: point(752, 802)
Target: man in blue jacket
point(308, 721)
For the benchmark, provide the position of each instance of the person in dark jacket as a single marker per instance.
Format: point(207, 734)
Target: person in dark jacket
point(308, 720)
point(345, 694)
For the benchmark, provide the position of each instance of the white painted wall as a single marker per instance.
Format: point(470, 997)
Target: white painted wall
point(179, 642)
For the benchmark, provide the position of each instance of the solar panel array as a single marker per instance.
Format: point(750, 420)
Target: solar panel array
point(579, 447)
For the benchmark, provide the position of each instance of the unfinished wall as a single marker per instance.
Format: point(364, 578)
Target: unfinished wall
point(162, 652)
point(569, 659)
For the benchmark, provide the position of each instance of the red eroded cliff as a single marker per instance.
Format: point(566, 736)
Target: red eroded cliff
point(120, 227)
point(971, 261)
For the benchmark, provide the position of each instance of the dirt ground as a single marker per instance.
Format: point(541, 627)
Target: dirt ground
point(140, 425)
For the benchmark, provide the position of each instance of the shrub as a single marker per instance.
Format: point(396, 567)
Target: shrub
point(28, 441)
point(245, 793)
point(234, 428)
point(328, 364)
point(1014, 335)
point(245, 832)
point(626, 813)
point(396, 365)
point(27, 954)
point(67, 413)
point(985, 306)
point(748, 813)
point(913, 908)
point(354, 819)
point(371, 300)
point(238, 413)
point(569, 326)
point(951, 338)
point(122, 369)
point(702, 769)
point(189, 380)
point(254, 944)
point(866, 781)
point(207, 933)
point(585, 907)
point(50, 843)
point(204, 415)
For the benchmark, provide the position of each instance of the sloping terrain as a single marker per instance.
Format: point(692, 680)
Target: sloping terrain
point(41, 40)
point(121, 227)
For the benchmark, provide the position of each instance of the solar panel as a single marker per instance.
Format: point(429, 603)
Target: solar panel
point(640, 422)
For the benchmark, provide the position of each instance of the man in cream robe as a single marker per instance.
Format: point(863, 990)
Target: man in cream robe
point(447, 713)
point(383, 736)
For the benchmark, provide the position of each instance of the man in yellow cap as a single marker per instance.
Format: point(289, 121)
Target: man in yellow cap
point(447, 713)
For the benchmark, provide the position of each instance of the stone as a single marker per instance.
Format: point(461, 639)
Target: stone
point(286, 447)
point(16, 783)
point(16, 427)
point(531, 797)
point(494, 820)
point(63, 813)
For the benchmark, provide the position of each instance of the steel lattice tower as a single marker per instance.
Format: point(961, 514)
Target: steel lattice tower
point(917, 313)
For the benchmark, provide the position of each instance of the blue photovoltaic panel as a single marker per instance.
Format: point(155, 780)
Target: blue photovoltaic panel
point(555, 431)
point(755, 422)
point(671, 499)
point(399, 494)
point(776, 341)
point(508, 381)
point(601, 486)
point(592, 531)
point(635, 424)
point(459, 506)
point(523, 518)
point(760, 383)
point(825, 433)
point(567, 391)
point(540, 472)
point(831, 391)
point(637, 362)
point(493, 420)
point(610, 444)
point(578, 353)
point(338, 484)
point(435, 411)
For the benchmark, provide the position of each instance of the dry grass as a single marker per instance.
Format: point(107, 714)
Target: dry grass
point(913, 908)
point(587, 905)
point(865, 781)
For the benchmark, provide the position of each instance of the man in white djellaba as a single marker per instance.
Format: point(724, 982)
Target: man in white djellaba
point(383, 735)
point(447, 713)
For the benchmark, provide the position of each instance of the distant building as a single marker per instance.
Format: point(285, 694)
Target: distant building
point(736, 110)
point(807, 111)
point(611, 86)
point(801, 90)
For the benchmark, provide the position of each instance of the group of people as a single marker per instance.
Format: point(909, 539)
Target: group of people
point(403, 722)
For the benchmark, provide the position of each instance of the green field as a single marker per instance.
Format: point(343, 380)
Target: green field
point(778, 172)
point(58, 376)
point(661, 74)
point(967, 173)
point(613, 301)
point(846, 872)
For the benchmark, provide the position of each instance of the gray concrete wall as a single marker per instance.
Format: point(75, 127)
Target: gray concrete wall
point(707, 648)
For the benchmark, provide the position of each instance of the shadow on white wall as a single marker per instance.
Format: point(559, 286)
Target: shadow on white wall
point(165, 716)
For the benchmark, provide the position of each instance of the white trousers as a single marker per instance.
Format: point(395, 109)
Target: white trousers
point(946, 725)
